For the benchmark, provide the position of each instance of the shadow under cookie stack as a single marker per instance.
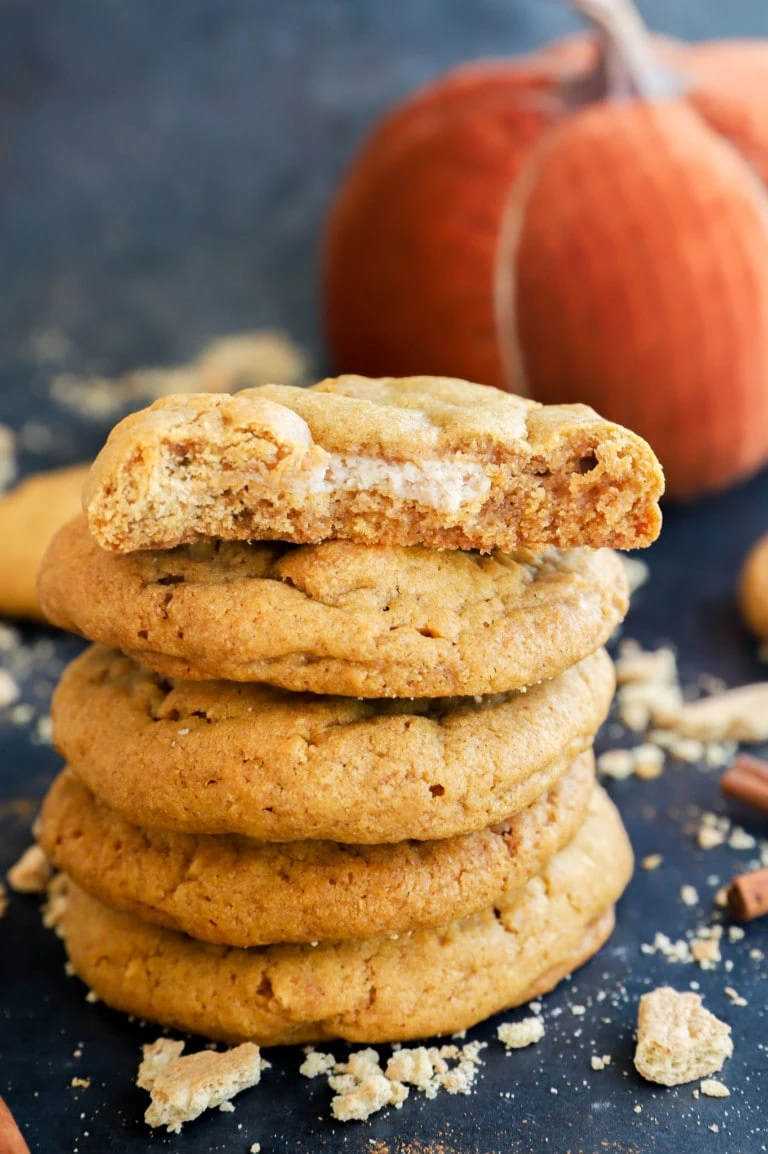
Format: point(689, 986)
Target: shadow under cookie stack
point(341, 785)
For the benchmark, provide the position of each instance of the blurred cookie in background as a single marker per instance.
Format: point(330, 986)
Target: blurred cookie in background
point(30, 514)
point(753, 589)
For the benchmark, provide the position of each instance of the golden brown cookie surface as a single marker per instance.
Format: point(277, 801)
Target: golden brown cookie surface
point(242, 892)
point(413, 461)
point(371, 990)
point(338, 617)
point(224, 757)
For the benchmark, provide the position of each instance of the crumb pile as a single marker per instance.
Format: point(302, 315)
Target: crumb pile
point(341, 784)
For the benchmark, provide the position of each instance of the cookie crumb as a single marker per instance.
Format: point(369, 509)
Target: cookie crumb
point(706, 951)
point(713, 1088)
point(648, 687)
point(516, 1035)
point(739, 714)
point(740, 839)
point(9, 689)
point(56, 904)
point(316, 1063)
point(636, 572)
point(31, 873)
point(44, 730)
point(242, 360)
point(7, 457)
point(598, 1062)
point(689, 895)
point(255, 1148)
point(734, 997)
point(616, 763)
point(361, 1088)
point(678, 951)
point(651, 862)
point(182, 1088)
point(677, 1039)
point(713, 830)
point(649, 761)
point(80, 1083)
point(702, 730)
point(639, 666)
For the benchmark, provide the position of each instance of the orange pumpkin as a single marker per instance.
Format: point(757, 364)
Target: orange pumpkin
point(587, 224)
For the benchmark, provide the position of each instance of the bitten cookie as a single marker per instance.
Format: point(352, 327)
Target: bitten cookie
point(247, 893)
point(371, 990)
point(421, 460)
point(339, 618)
point(30, 514)
point(221, 757)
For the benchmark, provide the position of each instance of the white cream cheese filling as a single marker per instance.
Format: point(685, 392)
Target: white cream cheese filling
point(446, 486)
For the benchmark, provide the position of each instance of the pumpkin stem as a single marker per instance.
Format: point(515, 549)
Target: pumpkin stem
point(628, 65)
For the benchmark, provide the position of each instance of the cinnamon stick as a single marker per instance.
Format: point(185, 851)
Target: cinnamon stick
point(746, 780)
point(748, 895)
point(11, 1141)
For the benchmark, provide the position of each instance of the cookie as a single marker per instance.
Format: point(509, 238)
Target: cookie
point(412, 461)
point(242, 892)
point(30, 514)
point(225, 758)
point(338, 618)
point(678, 1041)
point(753, 589)
point(433, 981)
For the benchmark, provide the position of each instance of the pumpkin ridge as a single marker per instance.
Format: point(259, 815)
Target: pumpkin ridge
point(511, 226)
point(744, 415)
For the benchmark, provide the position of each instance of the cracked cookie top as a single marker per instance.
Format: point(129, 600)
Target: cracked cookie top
point(339, 618)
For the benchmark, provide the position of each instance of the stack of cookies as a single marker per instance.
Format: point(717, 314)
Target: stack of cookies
point(330, 766)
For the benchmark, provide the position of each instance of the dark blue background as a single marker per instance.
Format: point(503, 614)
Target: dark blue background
point(164, 169)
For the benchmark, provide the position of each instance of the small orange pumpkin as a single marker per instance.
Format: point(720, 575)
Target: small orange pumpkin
point(587, 224)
